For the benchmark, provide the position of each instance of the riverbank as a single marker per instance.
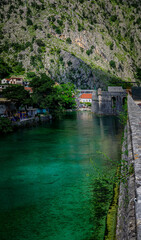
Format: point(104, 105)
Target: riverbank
point(31, 121)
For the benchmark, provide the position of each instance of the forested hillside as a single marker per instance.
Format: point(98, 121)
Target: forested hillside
point(89, 43)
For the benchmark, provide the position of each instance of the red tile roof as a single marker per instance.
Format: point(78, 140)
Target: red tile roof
point(28, 89)
point(86, 96)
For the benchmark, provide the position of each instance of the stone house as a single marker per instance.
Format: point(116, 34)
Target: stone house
point(108, 102)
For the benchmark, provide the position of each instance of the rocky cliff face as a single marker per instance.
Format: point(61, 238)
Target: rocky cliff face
point(86, 42)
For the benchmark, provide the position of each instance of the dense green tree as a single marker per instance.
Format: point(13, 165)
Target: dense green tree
point(66, 92)
point(18, 95)
point(5, 125)
point(47, 95)
point(4, 69)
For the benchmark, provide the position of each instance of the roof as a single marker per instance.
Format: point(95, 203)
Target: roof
point(115, 89)
point(86, 96)
point(28, 89)
point(11, 78)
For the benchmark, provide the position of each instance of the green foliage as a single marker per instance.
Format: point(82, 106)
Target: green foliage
point(40, 43)
point(123, 116)
point(111, 46)
point(113, 18)
point(61, 59)
point(31, 74)
point(88, 104)
point(138, 73)
point(131, 169)
point(17, 68)
point(28, 44)
point(68, 40)
point(18, 95)
point(89, 51)
point(29, 21)
point(112, 216)
point(29, 12)
point(69, 63)
point(112, 64)
point(33, 61)
point(4, 69)
point(5, 125)
point(58, 30)
point(48, 35)
point(66, 93)
point(60, 22)
point(52, 60)
point(47, 95)
point(80, 27)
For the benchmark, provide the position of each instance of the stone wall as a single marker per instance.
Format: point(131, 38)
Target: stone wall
point(134, 114)
point(108, 102)
point(129, 206)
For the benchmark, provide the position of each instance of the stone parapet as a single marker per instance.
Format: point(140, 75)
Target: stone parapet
point(134, 116)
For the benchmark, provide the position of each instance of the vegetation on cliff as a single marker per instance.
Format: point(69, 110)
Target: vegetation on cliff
point(87, 43)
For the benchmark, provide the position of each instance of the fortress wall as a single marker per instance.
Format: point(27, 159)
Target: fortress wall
point(129, 205)
point(134, 115)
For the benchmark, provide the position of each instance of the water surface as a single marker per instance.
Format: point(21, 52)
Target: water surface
point(47, 176)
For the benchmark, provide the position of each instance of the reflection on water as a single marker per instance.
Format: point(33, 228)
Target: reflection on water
point(47, 178)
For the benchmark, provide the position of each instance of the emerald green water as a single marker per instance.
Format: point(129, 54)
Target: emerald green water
point(47, 177)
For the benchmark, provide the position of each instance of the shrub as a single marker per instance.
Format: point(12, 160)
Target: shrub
point(29, 21)
point(35, 26)
point(40, 43)
point(28, 12)
point(33, 61)
point(61, 59)
point(48, 35)
point(5, 125)
point(58, 31)
point(80, 27)
point(112, 64)
point(138, 21)
point(28, 44)
point(68, 40)
point(69, 63)
point(113, 18)
point(58, 51)
point(31, 74)
point(111, 46)
point(60, 22)
point(89, 51)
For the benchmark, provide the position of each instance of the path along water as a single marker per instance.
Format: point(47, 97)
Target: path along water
point(47, 177)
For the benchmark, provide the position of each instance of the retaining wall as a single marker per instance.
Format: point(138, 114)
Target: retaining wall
point(134, 116)
point(129, 206)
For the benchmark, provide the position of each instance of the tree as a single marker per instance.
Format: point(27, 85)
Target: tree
point(47, 95)
point(42, 90)
point(5, 125)
point(66, 92)
point(18, 95)
point(112, 64)
point(138, 76)
point(4, 69)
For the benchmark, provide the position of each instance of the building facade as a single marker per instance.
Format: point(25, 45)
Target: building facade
point(108, 102)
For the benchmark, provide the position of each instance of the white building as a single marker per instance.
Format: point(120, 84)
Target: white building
point(85, 97)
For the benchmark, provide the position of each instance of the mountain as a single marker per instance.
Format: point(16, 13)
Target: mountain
point(90, 43)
